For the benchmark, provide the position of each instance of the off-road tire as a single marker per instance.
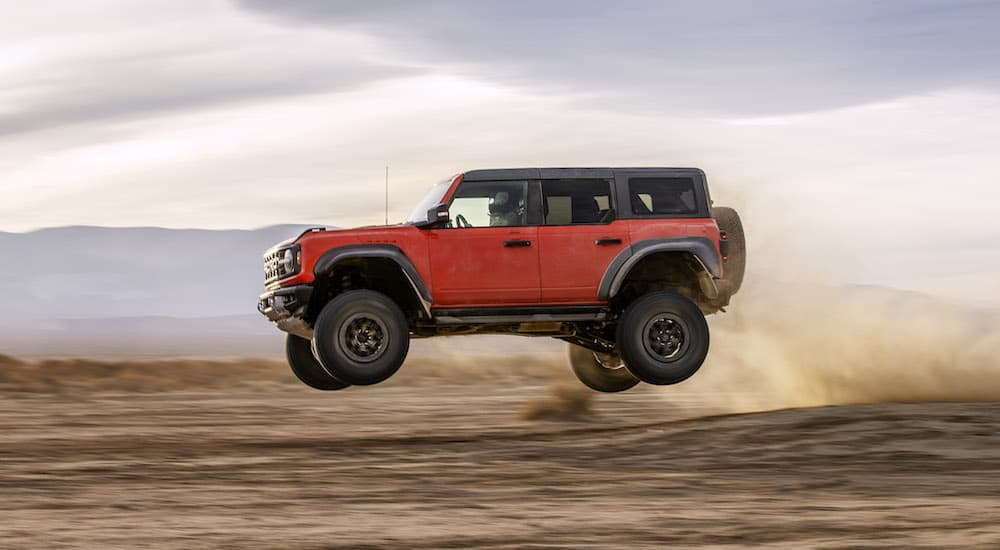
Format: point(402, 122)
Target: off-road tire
point(306, 368)
point(361, 337)
point(735, 266)
point(593, 374)
point(663, 338)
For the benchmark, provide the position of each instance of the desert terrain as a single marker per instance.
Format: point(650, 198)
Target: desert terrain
point(847, 420)
point(126, 457)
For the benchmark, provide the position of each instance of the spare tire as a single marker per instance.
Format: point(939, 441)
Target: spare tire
point(732, 271)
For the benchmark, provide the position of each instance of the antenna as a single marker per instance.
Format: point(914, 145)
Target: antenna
point(387, 194)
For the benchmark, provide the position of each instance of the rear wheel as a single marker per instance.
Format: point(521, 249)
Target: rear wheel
point(599, 371)
point(306, 368)
point(729, 221)
point(361, 337)
point(663, 338)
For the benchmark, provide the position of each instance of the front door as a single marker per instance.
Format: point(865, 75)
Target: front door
point(579, 239)
point(488, 256)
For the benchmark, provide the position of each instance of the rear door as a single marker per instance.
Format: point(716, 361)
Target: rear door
point(488, 257)
point(579, 238)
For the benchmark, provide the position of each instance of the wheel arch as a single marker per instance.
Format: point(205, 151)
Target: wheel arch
point(393, 267)
point(699, 253)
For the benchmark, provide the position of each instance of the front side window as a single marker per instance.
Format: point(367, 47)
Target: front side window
point(662, 196)
point(568, 202)
point(489, 204)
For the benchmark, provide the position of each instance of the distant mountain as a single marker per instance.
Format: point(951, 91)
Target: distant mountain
point(147, 291)
point(95, 291)
point(87, 272)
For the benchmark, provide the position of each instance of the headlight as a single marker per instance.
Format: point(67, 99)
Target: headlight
point(287, 260)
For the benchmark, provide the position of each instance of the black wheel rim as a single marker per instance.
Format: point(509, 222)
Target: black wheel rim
point(364, 337)
point(666, 337)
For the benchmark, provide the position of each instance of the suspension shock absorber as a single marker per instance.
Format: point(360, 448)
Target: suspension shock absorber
point(345, 281)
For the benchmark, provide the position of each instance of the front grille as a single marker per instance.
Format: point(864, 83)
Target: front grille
point(275, 269)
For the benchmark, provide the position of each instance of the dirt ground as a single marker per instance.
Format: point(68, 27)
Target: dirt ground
point(503, 463)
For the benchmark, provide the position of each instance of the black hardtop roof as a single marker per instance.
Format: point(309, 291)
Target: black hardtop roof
point(493, 174)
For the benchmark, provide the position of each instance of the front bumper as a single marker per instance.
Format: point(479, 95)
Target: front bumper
point(286, 308)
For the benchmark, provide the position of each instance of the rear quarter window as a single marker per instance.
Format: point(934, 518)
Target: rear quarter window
point(662, 197)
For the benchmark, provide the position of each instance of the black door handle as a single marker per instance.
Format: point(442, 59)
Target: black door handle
point(608, 241)
point(517, 243)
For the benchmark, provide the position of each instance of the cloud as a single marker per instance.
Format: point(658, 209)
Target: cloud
point(131, 89)
point(195, 60)
point(717, 56)
point(819, 121)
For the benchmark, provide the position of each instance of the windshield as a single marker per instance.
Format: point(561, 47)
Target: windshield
point(430, 200)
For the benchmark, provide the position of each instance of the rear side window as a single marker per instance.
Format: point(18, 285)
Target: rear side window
point(662, 197)
point(581, 201)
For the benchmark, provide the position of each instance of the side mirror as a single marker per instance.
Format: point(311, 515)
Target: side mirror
point(438, 214)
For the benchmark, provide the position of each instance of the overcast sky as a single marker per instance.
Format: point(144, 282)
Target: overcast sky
point(859, 138)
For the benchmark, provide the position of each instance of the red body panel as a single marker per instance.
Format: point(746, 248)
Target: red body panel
point(411, 240)
point(455, 182)
point(572, 263)
point(472, 267)
point(672, 228)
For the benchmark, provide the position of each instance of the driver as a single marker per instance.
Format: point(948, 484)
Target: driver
point(503, 210)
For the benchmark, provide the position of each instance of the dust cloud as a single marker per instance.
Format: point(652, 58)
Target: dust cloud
point(566, 401)
point(789, 345)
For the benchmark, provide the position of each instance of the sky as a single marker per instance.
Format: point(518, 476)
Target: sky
point(859, 139)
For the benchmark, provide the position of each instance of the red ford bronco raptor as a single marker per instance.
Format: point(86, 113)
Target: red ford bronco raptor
point(621, 263)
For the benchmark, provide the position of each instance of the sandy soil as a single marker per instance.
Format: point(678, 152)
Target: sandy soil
point(419, 463)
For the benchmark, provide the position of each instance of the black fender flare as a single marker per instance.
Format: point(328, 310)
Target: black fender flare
point(332, 257)
point(702, 248)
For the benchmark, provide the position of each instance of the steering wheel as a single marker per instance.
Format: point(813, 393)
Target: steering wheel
point(460, 221)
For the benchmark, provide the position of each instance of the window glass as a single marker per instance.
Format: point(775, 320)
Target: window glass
point(566, 202)
point(662, 196)
point(488, 204)
point(430, 200)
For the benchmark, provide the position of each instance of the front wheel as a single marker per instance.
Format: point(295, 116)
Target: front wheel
point(599, 371)
point(306, 368)
point(663, 338)
point(361, 337)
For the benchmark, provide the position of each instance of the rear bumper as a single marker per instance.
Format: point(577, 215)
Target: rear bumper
point(286, 307)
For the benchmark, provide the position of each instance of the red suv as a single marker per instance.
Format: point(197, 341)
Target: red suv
point(622, 263)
